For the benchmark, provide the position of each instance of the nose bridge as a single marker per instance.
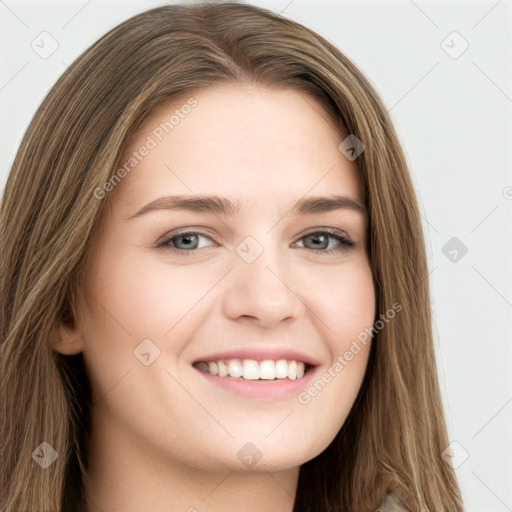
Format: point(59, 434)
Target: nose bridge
point(257, 287)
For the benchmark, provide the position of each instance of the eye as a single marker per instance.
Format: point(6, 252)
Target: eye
point(320, 241)
point(186, 241)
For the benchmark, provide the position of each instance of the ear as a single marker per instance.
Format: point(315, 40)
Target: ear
point(68, 337)
point(68, 342)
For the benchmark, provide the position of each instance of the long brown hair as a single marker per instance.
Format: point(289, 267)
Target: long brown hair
point(395, 433)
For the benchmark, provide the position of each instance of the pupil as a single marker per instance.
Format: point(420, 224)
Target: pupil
point(188, 239)
point(319, 240)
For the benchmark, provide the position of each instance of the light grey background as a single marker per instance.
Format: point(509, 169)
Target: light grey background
point(453, 114)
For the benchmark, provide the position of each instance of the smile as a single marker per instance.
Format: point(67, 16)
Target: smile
point(251, 369)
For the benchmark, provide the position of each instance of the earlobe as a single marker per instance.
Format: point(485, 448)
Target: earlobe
point(68, 340)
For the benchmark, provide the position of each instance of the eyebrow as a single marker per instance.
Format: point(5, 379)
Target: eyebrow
point(224, 206)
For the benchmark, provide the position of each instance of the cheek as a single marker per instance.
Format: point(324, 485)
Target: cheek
point(344, 299)
point(133, 299)
point(126, 304)
point(144, 297)
point(347, 310)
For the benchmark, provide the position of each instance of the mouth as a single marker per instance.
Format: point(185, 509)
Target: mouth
point(255, 370)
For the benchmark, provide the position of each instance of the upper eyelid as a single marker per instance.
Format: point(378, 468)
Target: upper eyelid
point(172, 234)
point(310, 231)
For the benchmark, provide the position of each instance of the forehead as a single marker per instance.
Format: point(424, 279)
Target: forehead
point(242, 141)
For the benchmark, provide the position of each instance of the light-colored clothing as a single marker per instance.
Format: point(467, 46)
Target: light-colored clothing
point(392, 503)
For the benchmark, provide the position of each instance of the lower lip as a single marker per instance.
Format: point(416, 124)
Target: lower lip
point(268, 390)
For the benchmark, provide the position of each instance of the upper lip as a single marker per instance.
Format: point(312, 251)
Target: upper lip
point(261, 353)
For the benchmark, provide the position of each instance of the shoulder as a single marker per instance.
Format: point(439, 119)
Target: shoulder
point(392, 503)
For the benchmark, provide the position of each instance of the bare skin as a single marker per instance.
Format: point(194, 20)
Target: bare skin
point(165, 435)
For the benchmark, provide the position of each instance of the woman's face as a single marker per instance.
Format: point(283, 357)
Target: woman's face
point(215, 257)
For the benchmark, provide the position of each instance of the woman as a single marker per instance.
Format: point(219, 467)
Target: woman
point(214, 282)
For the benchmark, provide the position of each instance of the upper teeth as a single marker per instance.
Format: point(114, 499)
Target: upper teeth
point(251, 369)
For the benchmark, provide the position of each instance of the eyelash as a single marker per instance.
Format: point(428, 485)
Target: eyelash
point(345, 243)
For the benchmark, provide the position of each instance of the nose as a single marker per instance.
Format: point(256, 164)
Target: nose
point(262, 292)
